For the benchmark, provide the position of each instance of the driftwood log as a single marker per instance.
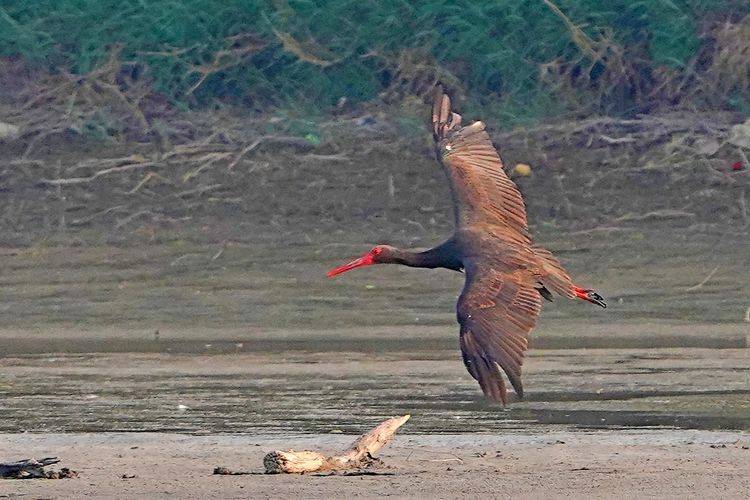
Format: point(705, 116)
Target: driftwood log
point(358, 455)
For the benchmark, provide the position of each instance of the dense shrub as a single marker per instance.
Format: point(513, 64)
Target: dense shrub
point(518, 60)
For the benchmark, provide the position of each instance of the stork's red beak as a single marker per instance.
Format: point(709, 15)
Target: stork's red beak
point(366, 260)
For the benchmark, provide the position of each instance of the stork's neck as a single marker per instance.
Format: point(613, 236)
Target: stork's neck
point(443, 255)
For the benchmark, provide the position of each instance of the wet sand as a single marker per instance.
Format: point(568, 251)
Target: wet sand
point(605, 464)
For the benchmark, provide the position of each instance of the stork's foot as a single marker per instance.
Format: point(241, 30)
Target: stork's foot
point(589, 295)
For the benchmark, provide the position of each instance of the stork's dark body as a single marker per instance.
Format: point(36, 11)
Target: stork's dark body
point(463, 248)
point(506, 273)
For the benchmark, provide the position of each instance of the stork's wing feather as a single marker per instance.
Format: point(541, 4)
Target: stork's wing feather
point(482, 192)
point(496, 312)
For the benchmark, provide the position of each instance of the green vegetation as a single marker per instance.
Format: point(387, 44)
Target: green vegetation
point(517, 60)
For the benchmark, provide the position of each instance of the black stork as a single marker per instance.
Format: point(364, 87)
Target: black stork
point(507, 275)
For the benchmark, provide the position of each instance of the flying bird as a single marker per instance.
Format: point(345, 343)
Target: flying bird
point(507, 275)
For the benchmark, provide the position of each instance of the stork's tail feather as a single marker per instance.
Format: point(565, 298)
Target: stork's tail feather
point(552, 275)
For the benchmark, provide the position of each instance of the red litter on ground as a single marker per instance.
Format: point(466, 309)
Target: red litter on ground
point(737, 165)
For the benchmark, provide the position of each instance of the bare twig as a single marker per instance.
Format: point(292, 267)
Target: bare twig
point(291, 45)
point(127, 220)
point(580, 38)
point(212, 158)
point(85, 220)
point(39, 137)
point(218, 254)
point(240, 47)
point(617, 140)
point(101, 173)
point(705, 280)
point(146, 179)
point(257, 142)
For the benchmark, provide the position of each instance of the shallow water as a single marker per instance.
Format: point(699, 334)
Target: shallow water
point(317, 391)
point(257, 341)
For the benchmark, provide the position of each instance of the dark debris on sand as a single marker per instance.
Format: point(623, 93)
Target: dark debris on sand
point(34, 469)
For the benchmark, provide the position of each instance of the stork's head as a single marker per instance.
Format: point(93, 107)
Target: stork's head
point(380, 254)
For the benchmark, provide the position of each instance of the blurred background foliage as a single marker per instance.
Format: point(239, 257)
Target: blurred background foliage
point(517, 61)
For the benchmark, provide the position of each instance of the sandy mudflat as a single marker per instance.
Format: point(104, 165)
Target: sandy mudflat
point(653, 463)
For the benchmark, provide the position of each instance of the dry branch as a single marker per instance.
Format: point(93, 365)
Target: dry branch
point(582, 41)
point(239, 48)
point(291, 45)
point(83, 180)
point(358, 455)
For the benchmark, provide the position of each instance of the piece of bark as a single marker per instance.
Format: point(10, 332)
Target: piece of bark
point(358, 455)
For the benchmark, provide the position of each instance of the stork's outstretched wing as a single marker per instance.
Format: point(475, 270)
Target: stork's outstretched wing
point(496, 311)
point(482, 192)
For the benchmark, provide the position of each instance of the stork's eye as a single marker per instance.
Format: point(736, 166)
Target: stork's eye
point(377, 251)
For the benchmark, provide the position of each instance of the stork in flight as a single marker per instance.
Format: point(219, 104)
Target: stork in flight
point(506, 273)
